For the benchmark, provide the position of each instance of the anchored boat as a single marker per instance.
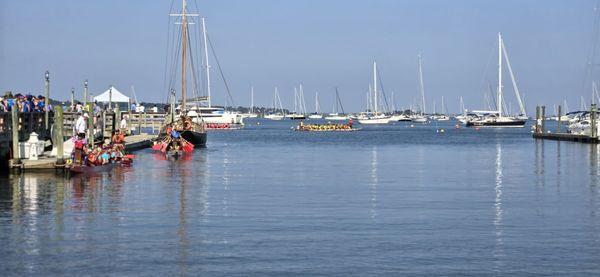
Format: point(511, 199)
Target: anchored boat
point(498, 118)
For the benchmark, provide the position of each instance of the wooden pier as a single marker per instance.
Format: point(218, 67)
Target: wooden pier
point(541, 132)
point(45, 162)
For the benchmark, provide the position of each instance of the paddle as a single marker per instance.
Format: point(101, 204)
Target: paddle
point(156, 147)
point(187, 146)
point(162, 146)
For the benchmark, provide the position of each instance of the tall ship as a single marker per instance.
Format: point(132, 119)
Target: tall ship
point(499, 118)
point(192, 129)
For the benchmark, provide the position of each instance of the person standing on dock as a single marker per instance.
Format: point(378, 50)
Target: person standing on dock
point(81, 125)
point(123, 124)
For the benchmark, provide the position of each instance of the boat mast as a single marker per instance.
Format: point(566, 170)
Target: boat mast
point(499, 75)
point(370, 100)
point(514, 82)
point(316, 102)
point(421, 86)
point(207, 66)
point(251, 99)
point(183, 53)
point(302, 101)
point(295, 100)
point(375, 86)
point(443, 109)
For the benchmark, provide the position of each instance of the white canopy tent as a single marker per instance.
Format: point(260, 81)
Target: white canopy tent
point(112, 95)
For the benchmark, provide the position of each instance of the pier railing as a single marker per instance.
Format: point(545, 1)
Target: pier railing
point(27, 124)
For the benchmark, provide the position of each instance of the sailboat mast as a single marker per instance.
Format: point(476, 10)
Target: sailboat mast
point(316, 102)
point(499, 75)
point(183, 52)
point(251, 99)
point(421, 86)
point(375, 86)
point(295, 100)
point(207, 66)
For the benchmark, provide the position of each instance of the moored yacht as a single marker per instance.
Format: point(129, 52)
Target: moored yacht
point(374, 117)
point(497, 118)
point(420, 117)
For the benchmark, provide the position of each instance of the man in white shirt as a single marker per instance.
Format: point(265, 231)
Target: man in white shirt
point(81, 125)
point(123, 124)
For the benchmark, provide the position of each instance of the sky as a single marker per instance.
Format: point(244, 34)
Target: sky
point(319, 43)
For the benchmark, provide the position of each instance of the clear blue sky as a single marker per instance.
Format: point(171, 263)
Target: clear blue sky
point(321, 43)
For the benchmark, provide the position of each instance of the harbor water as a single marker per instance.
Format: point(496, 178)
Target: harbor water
point(267, 201)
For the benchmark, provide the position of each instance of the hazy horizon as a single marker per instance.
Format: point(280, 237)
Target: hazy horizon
point(321, 44)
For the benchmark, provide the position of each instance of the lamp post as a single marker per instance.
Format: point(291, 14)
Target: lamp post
point(85, 93)
point(47, 97)
point(110, 98)
point(73, 99)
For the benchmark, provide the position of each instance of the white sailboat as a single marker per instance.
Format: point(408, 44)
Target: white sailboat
point(299, 105)
point(317, 114)
point(422, 117)
point(462, 118)
point(374, 116)
point(498, 118)
point(443, 116)
point(207, 113)
point(337, 106)
point(251, 113)
point(278, 113)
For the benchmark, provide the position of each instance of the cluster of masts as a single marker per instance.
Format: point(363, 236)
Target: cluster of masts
point(378, 111)
point(496, 111)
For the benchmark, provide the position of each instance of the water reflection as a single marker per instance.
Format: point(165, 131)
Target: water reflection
point(539, 162)
point(226, 181)
point(498, 224)
point(374, 182)
point(193, 180)
point(594, 164)
point(86, 190)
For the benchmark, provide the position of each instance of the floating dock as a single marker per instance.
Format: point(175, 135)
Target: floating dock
point(541, 133)
point(566, 137)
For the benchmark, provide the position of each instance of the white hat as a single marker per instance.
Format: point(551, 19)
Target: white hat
point(86, 115)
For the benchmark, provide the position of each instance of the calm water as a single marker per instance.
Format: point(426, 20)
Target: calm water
point(261, 201)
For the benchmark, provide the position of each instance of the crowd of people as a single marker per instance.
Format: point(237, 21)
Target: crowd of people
point(325, 127)
point(23, 103)
point(111, 151)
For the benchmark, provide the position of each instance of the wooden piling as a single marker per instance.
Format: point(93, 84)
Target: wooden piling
point(593, 121)
point(47, 97)
point(103, 126)
point(543, 116)
point(59, 138)
point(91, 127)
point(537, 119)
point(139, 123)
point(129, 119)
point(116, 118)
point(15, 135)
